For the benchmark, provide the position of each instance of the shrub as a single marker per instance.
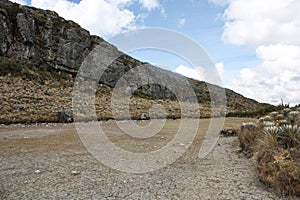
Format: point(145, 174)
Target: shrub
point(289, 136)
point(247, 137)
point(276, 147)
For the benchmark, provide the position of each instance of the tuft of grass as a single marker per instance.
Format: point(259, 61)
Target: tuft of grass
point(289, 136)
point(247, 137)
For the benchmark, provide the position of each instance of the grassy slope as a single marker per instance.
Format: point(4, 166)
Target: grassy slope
point(30, 93)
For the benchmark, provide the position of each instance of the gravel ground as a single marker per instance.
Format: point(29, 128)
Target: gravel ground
point(57, 166)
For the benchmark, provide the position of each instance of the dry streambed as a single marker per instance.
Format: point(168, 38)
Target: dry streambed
point(50, 162)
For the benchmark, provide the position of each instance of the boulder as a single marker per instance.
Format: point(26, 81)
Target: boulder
point(228, 132)
point(144, 116)
point(65, 116)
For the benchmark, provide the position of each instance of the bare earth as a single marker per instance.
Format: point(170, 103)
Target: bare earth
point(48, 161)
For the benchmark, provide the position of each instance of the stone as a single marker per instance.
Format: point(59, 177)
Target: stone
point(75, 173)
point(33, 101)
point(65, 116)
point(228, 132)
point(48, 93)
point(17, 106)
point(144, 116)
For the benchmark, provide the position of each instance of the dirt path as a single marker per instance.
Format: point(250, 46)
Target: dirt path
point(57, 166)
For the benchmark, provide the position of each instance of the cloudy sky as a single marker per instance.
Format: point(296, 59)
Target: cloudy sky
point(254, 44)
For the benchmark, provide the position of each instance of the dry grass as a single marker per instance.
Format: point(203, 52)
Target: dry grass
point(277, 152)
point(277, 167)
point(30, 94)
point(247, 137)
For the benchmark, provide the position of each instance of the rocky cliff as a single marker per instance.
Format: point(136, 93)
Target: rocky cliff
point(43, 37)
point(39, 38)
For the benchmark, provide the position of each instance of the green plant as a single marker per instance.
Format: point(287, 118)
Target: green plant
point(283, 105)
point(293, 116)
point(268, 139)
point(250, 126)
point(273, 130)
point(289, 136)
point(276, 147)
point(279, 117)
point(286, 112)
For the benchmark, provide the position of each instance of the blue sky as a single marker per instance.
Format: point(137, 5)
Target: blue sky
point(254, 44)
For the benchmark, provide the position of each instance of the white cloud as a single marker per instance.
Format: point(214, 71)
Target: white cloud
point(119, 3)
point(220, 2)
point(101, 17)
point(254, 23)
point(220, 68)
point(23, 2)
point(146, 4)
point(181, 22)
point(272, 27)
point(149, 4)
point(202, 74)
point(277, 76)
point(191, 72)
point(98, 16)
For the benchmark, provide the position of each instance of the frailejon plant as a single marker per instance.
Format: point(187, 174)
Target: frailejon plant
point(273, 130)
point(274, 114)
point(293, 116)
point(266, 118)
point(289, 136)
point(282, 122)
point(249, 126)
point(279, 117)
point(268, 139)
point(268, 124)
point(286, 111)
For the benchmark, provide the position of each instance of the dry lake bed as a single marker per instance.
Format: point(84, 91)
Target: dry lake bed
point(49, 161)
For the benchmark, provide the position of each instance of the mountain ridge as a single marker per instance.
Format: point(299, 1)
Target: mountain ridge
point(35, 38)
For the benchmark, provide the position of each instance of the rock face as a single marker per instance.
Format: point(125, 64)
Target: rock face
point(44, 38)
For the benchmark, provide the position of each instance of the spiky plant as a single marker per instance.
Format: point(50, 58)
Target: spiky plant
point(293, 116)
point(266, 118)
point(282, 122)
point(268, 139)
point(279, 117)
point(273, 130)
point(286, 111)
point(268, 124)
point(274, 114)
point(249, 126)
point(289, 136)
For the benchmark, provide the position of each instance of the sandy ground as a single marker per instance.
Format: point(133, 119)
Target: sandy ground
point(49, 161)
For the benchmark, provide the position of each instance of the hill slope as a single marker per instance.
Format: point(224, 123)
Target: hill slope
point(41, 53)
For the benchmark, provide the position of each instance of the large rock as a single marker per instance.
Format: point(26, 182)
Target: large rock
point(65, 116)
point(43, 37)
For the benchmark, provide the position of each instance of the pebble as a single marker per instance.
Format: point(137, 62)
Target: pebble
point(75, 173)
